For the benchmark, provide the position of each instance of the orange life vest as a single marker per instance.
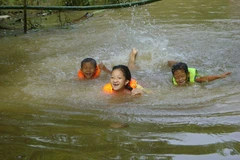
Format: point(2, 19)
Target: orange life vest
point(108, 87)
point(97, 73)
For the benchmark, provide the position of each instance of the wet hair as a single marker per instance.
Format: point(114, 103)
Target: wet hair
point(91, 60)
point(126, 73)
point(179, 66)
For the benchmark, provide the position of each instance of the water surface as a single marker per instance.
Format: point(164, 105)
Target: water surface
point(46, 113)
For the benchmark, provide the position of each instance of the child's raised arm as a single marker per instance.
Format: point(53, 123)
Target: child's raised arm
point(212, 78)
point(104, 68)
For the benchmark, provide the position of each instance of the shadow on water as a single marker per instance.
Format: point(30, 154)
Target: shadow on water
point(46, 113)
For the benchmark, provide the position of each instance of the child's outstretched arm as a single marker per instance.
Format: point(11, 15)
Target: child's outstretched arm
point(212, 78)
point(104, 68)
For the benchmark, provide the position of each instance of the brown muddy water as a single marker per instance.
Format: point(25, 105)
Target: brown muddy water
point(46, 113)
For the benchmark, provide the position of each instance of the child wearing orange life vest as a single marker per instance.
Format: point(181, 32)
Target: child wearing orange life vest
point(121, 82)
point(90, 69)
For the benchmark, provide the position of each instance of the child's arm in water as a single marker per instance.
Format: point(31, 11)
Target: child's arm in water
point(104, 68)
point(212, 78)
point(139, 90)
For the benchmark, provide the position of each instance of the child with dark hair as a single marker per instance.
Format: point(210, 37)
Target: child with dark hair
point(121, 80)
point(90, 70)
point(183, 75)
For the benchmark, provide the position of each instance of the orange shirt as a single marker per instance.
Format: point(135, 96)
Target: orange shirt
point(96, 75)
point(108, 87)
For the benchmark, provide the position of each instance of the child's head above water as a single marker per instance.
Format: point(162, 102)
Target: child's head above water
point(90, 60)
point(120, 78)
point(183, 75)
point(180, 66)
point(180, 73)
point(88, 67)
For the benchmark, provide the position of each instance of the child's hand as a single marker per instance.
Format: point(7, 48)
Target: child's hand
point(136, 91)
point(225, 74)
point(104, 68)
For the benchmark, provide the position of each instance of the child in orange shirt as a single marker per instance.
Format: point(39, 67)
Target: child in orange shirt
point(121, 81)
point(90, 69)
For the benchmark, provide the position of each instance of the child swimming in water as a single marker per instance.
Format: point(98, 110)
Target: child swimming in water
point(90, 69)
point(121, 80)
point(183, 75)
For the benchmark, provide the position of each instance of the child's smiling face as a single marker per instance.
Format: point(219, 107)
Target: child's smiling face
point(88, 70)
point(181, 77)
point(118, 80)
